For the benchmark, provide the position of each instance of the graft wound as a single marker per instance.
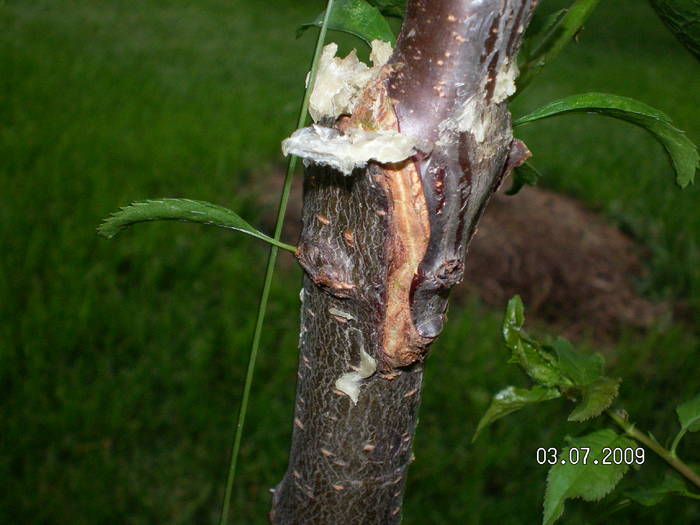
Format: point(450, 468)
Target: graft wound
point(408, 235)
point(353, 141)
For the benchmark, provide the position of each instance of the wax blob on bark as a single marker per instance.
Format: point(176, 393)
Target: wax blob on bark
point(345, 152)
point(339, 81)
point(349, 384)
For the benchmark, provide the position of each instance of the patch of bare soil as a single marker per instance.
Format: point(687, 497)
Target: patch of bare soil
point(569, 265)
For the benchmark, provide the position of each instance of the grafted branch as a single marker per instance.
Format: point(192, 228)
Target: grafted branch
point(452, 92)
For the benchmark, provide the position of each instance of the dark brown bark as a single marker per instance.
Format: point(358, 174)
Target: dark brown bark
point(382, 248)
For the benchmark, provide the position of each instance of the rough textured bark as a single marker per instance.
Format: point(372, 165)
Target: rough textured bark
point(382, 248)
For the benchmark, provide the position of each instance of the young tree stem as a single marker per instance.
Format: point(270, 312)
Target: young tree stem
point(381, 249)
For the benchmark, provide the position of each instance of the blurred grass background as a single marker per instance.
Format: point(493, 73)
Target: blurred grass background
point(121, 362)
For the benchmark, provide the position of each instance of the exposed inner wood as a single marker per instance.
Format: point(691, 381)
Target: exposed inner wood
point(408, 238)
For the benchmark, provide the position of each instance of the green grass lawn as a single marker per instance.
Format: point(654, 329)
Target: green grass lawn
point(121, 362)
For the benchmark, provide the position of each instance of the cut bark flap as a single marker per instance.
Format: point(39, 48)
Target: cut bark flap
point(517, 156)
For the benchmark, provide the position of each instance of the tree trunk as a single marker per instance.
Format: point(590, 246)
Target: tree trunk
point(381, 249)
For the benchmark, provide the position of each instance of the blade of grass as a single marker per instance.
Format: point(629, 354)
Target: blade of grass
point(272, 259)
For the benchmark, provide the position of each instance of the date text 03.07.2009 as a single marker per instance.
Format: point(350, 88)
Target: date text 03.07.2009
point(587, 456)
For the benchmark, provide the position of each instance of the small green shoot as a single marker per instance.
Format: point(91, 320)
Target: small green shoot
point(559, 370)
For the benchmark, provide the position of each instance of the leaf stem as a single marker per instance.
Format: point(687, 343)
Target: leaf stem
point(269, 271)
point(621, 420)
point(677, 440)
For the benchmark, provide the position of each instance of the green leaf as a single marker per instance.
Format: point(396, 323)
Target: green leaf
point(522, 175)
point(595, 398)
point(511, 399)
point(592, 392)
point(514, 320)
point(357, 18)
point(581, 368)
point(181, 210)
point(559, 30)
point(591, 481)
point(689, 414)
point(395, 8)
point(681, 150)
point(540, 365)
point(682, 17)
point(672, 484)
